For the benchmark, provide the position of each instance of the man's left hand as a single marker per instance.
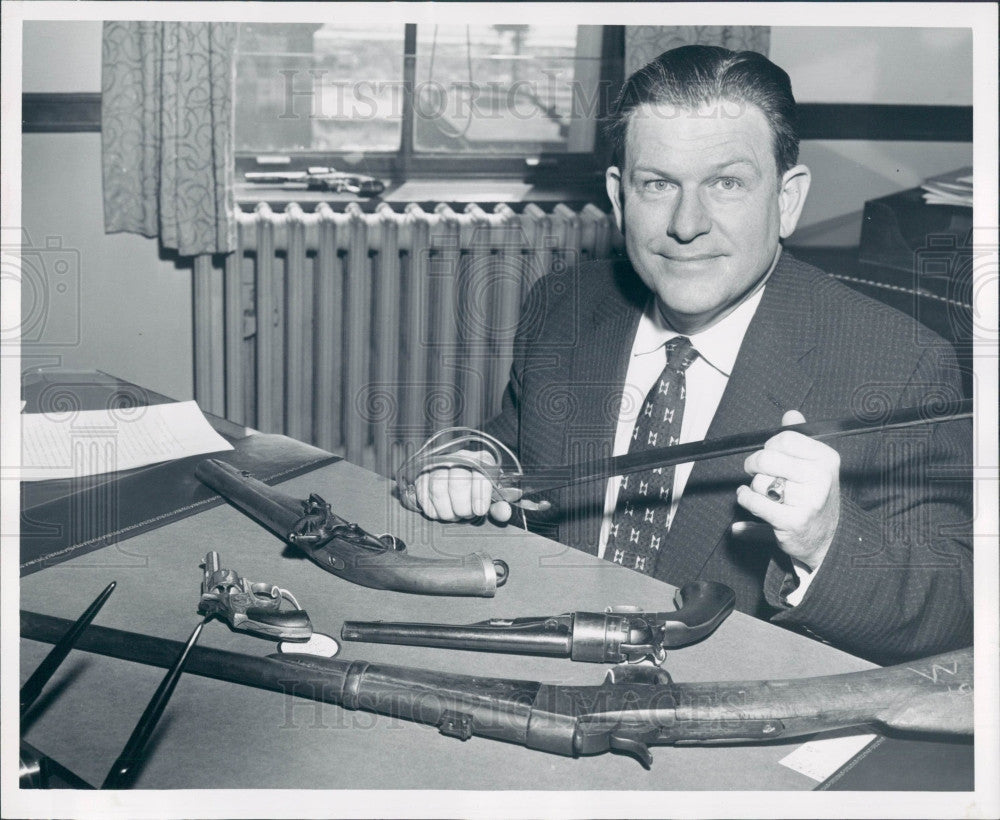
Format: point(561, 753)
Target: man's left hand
point(805, 521)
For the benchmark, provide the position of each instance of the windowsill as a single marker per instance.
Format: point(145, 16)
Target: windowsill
point(458, 193)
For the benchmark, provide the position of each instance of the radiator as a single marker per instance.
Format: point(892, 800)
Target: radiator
point(364, 333)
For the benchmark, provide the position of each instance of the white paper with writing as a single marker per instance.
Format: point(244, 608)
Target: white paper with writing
point(91, 442)
point(820, 758)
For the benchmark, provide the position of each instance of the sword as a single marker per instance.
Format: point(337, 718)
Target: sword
point(512, 486)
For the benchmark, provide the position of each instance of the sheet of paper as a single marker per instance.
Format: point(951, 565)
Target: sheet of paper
point(821, 757)
point(91, 442)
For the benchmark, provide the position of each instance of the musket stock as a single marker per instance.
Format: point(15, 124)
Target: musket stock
point(636, 706)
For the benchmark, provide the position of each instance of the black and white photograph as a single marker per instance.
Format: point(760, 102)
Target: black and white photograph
point(500, 410)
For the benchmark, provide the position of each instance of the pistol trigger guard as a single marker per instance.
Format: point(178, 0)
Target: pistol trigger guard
point(270, 592)
point(626, 673)
point(631, 744)
point(270, 596)
point(640, 652)
point(253, 607)
point(392, 542)
point(656, 653)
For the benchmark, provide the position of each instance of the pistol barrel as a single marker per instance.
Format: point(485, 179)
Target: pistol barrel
point(533, 638)
point(277, 511)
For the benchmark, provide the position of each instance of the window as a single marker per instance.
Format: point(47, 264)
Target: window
point(400, 101)
point(295, 92)
point(506, 89)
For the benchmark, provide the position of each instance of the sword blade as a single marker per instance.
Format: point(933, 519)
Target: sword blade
point(552, 478)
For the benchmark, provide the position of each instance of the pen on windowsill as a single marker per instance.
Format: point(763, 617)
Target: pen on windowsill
point(126, 766)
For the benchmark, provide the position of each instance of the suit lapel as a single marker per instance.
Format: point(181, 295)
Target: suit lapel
point(767, 379)
point(598, 370)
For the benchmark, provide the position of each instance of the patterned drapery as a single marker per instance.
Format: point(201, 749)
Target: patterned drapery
point(643, 43)
point(166, 132)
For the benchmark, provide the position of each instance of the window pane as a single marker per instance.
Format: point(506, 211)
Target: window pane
point(506, 89)
point(335, 87)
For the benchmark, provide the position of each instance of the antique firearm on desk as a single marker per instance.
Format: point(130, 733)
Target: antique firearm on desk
point(320, 179)
point(254, 608)
point(637, 706)
point(622, 634)
point(380, 562)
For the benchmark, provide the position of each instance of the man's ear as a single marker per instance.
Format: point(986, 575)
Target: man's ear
point(792, 196)
point(613, 183)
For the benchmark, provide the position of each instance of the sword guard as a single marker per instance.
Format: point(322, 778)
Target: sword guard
point(460, 447)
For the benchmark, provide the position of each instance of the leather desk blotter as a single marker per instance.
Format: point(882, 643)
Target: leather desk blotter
point(70, 517)
point(904, 764)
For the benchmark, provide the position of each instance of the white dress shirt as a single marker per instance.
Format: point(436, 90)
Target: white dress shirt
point(706, 380)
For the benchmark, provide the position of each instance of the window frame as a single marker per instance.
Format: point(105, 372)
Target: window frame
point(407, 163)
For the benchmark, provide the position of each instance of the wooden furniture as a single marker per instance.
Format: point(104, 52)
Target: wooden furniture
point(224, 736)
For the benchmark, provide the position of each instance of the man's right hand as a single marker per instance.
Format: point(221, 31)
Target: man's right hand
point(460, 493)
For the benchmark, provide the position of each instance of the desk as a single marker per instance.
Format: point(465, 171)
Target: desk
point(220, 735)
point(63, 518)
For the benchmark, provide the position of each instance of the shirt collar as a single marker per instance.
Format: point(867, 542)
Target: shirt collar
point(718, 345)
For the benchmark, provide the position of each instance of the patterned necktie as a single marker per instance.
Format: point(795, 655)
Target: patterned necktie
point(642, 515)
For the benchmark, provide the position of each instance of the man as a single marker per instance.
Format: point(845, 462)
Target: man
point(711, 329)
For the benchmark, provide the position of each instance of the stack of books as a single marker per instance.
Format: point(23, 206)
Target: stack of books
point(954, 188)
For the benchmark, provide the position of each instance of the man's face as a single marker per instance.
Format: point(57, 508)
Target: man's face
point(702, 206)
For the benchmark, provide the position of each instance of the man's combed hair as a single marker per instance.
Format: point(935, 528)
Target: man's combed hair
point(691, 76)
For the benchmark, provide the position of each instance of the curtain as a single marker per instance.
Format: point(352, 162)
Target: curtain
point(643, 43)
point(166, 133)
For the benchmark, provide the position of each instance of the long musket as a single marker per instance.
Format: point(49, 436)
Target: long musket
point(636, 706)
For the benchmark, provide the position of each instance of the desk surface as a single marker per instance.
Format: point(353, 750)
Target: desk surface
point(218, 735)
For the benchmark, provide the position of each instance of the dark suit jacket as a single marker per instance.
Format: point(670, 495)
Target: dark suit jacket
point(897, 581)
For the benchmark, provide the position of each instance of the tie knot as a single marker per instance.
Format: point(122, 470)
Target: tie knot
point(680, 353)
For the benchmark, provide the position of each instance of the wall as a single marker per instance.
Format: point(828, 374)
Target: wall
point(135, 308)
point(61, 56)
point(868, 65)
point(124, 310)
